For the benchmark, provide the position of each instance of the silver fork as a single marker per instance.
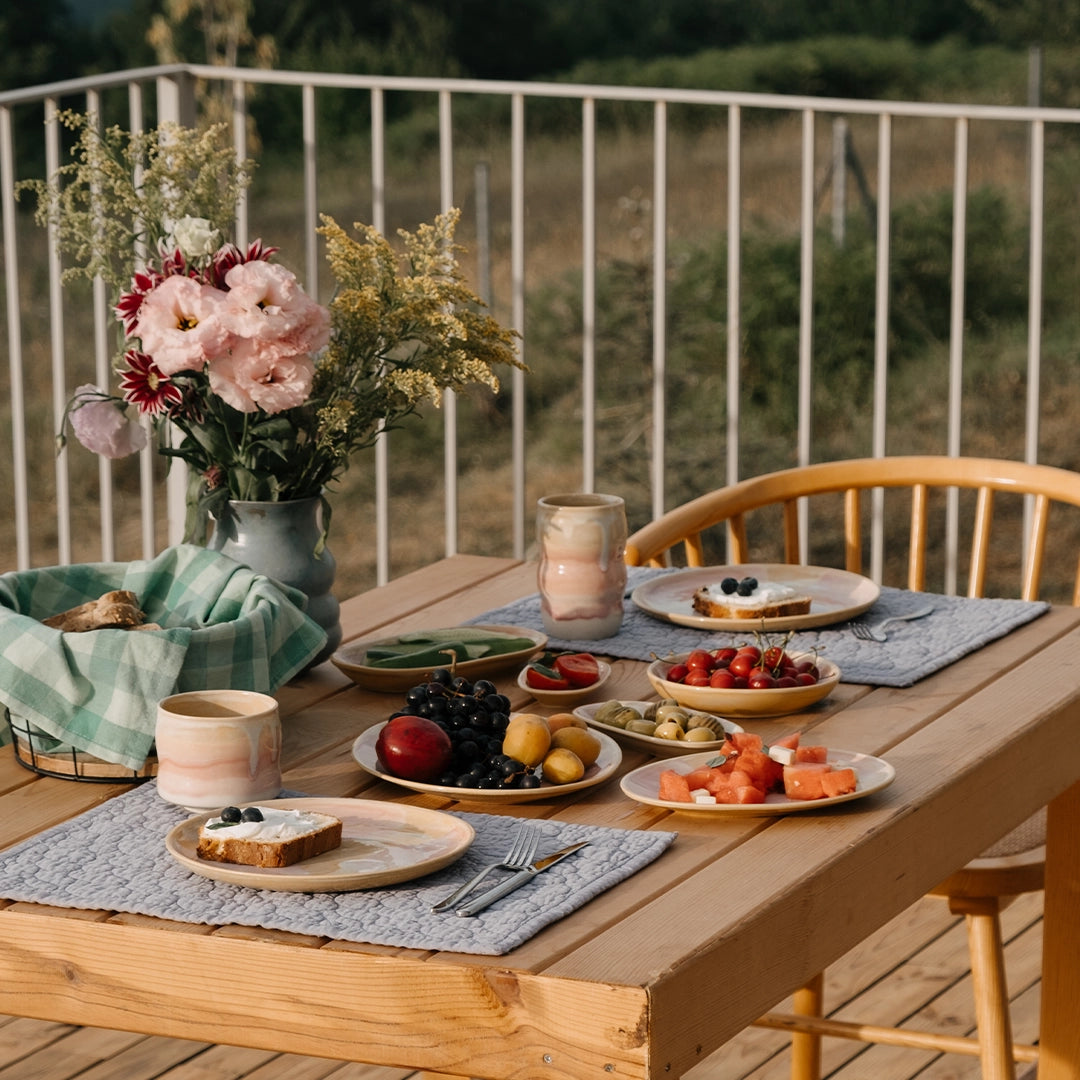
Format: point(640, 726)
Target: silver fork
point(876, 632)
point(521, 854)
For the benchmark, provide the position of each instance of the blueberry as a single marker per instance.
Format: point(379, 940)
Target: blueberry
point(231, 814)
point(745, 588)
point(751, 581)
point(729, 585)
point(251, 813)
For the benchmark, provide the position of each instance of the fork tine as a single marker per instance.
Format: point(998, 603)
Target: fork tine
point(525, 845)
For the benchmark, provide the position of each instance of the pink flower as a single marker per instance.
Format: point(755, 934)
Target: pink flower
point(252, 378)
point(181, 324)
point(100, 424)
point(145, 386)
point(267, 306)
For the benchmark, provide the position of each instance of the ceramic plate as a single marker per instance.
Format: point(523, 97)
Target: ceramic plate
point(835, 595)
point(605, 765)
point(381, 844)
point(655, 746)
point(872, 774)
point(565, 699)
point(350, 659)
point(746, 704)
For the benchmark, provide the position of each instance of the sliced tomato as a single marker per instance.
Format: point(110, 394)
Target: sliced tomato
point(545, 678)
point(579, 669)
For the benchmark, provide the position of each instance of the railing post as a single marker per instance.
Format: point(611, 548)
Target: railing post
point(176, 105)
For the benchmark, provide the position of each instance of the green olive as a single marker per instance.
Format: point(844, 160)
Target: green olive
point(669, 730)
point(641, 726)
point(607, 711)
point(672, 713)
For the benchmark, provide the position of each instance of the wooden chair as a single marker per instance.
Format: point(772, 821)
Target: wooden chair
point(1014, 865)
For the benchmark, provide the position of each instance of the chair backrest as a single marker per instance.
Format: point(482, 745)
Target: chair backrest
point(687, 524)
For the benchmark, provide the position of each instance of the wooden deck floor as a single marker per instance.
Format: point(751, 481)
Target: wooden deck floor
point(923, 951)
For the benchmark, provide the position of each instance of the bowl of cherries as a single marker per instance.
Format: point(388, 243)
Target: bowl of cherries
point(746, 681)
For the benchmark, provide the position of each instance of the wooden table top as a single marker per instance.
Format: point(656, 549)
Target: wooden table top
point(654, 974)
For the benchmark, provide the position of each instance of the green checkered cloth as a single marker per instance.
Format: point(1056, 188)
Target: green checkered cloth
point(223, 626)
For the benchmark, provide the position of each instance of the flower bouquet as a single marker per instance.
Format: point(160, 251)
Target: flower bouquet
point(224, 359)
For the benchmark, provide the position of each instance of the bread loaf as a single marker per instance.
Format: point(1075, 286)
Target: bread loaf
point(116, 610)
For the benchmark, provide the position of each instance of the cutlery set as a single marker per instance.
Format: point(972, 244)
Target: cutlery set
point(520, 858)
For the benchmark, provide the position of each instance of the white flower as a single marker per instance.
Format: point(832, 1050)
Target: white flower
point(194, 237)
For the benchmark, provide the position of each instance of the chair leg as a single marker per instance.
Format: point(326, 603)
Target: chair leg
point(988, 984)
point(806, 1047)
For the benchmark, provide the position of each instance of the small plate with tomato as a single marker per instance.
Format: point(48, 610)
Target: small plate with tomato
point(564, 679)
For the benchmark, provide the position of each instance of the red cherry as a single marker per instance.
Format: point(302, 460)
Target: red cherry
point(677, 673)
point(786, 682)
point(774, 657)
point(742, 665)
point(722, 679)
point(697, 677)
point(740, 682)
point(749, 650)
point(762, 681)
point(723, 657)
point(700, 658)
point(804, 678)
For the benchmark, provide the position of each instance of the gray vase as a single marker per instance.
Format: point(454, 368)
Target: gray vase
point(280, 540)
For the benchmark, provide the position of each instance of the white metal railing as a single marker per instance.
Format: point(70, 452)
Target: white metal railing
point(172, 87)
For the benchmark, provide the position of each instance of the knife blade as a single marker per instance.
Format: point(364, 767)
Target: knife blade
point(497, 892)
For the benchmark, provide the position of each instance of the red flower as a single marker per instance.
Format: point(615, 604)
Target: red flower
point(145, 386)
point(127, 307)
point(229, 255)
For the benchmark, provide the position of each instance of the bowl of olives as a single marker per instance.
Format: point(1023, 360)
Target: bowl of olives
point(663, 728)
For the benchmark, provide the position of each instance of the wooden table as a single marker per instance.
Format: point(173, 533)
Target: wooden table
point(638, 982)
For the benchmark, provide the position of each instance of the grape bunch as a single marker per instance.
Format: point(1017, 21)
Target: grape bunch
point(474, 715)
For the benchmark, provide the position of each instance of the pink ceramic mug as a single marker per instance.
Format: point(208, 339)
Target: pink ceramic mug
point(218, 748)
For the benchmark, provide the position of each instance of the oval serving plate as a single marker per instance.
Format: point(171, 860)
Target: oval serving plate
point(606, 764)
point(349, 658)
point(746, 704)
point(655, 746)
point(381, 844)
point(835, 595)
point(871, 774)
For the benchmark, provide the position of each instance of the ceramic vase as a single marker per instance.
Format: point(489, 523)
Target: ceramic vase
point(582, 575)
point(280, 540)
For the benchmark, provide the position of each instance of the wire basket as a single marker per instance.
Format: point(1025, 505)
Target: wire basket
point(44, 755)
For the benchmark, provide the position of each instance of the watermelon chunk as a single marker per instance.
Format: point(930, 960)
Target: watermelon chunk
point(746, 740)
point(838, 782)
point(804, 780)
point(819, 754)
point(673, 787)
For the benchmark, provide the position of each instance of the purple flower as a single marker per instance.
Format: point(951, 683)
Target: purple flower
point(100, 424)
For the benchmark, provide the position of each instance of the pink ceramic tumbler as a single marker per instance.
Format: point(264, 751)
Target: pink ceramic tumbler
point(582, 575)
point(218, 748)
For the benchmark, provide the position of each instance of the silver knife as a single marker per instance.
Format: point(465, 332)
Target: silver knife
point(520, 878)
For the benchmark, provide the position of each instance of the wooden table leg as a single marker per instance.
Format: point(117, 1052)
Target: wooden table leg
point(1059, 1032)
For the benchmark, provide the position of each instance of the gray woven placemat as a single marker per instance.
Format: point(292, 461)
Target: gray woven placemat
point(113, 858)
point(956, 627)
